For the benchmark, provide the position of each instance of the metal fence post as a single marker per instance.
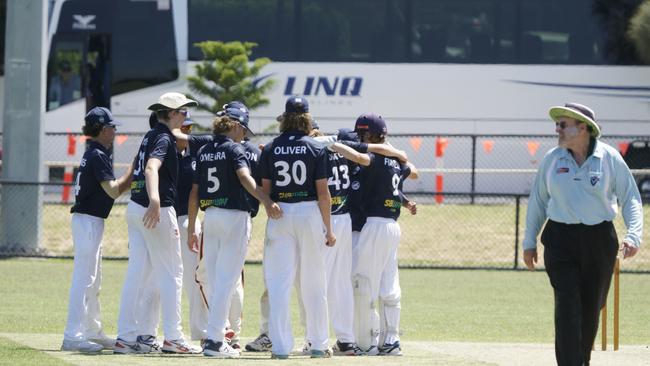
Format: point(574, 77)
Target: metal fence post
point(473, 188)
point(517, 208)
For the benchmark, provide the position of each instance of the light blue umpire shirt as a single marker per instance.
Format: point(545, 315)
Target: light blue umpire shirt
point(589, 194)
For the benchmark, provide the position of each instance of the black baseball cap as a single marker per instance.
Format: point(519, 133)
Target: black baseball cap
point(372, 123)
point(296, 104)
point(239, 105)
point(238, 115)
point(102, 116)
point(346, 134)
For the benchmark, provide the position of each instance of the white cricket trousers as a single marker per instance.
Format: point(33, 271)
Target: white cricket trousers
point(226, 234)
point(198, 310)
point(375, 258)
point(296, 242)
point(338, 267)
point(84, 319)
point(152, 252)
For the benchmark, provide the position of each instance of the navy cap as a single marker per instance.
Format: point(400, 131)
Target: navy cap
point(372, 123)
point(102, 116)
point(235, 104)
point(296, 104)
point(346, 134)
point(238, 115)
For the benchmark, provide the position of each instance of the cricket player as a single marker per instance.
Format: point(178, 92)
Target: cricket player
point(293, 168)
point(221, 181)
point(154, 238)
point(95, 191)
point(374, 268)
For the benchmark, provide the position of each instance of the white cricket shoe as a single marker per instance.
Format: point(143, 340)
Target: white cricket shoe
point(123, 347)
point(219, 350)
point(81, 346)
point(149, 344)
point(101, 338)
point(180, 346)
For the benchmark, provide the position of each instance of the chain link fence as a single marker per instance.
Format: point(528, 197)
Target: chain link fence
point(472, 198)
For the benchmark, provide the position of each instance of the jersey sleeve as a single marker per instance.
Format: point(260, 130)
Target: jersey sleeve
point(264, 169)
point(102, 167)
point(197, 167)
point(406, 171)
point(239, 158)
point(195, 142)
point(358, 146)
point(160, 148)
point(321, 164)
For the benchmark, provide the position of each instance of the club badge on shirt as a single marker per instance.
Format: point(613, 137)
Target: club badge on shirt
point(594, 180)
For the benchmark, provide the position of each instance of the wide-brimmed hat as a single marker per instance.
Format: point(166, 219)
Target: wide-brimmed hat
point(172, 101)
point(579, 112)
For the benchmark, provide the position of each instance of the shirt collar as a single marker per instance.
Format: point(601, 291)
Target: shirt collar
point(164, 128)
point(96, 145)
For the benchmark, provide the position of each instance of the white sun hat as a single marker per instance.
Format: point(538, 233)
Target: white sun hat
point(576, 111)
point(172, 101)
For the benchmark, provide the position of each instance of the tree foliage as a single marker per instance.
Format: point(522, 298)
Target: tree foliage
point(639, 31)
point(227, 74)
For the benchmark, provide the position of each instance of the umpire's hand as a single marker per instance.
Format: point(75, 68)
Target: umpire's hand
point(530, 258)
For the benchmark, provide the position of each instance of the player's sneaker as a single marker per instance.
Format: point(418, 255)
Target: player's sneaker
point(149, 344)
point(123, 347)
point(261, 344)
point(234, 343)
point(372, 351)
point(81, 346)
point(306, 349)
point(219, 350)
point(101, 338)
point(347, 349)
point(390, 349)
point(179, 346)
point(316, 353)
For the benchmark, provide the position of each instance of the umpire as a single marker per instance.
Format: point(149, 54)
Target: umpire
point(576, 191)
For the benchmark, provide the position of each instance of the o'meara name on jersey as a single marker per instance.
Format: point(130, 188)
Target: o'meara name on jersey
point(219, 155)
point(392, 163)
point(290, 150)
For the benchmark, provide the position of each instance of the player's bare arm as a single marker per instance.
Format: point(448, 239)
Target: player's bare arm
point(351, 154)
point(272, 209)
point(415, 174)
point(179, 135)
point(192, 212)
point(325, 205)
point(114, 188)
point(388, 150)
point(152, 216)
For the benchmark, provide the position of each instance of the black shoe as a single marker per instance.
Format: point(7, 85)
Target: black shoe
point(347, 349)
point(391, 349)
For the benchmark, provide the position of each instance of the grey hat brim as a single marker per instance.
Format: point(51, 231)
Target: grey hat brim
point(559, 111)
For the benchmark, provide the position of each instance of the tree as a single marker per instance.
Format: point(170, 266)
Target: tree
point(226, 74)
point(639, 31)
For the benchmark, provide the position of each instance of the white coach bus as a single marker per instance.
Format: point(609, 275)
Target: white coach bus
point(428, 66)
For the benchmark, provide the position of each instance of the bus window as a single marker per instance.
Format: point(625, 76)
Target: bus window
point(64, 79)
point(269, 23)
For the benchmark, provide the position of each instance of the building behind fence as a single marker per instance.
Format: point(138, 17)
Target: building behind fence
point(472, 197)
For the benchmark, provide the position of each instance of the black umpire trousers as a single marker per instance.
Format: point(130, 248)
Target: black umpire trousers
point(579, 261)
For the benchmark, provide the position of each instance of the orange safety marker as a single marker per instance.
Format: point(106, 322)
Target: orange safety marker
point(441, 145)
point(67, 173)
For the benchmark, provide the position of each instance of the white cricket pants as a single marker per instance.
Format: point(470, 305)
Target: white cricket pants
point(84, 319)
point(198, 310)
point(375, 257)
point(295, 243)
point(155, 252)
point(338, 266)
point(225, 240)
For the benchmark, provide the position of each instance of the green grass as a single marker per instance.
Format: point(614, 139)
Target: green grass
point(437, 305)
point(441, 235)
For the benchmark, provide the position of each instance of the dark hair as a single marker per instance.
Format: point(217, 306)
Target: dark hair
point(296, 121)
point(163, 114)
point(92, 130)
point(153, 120)
point(376, 138)
point(223, 124)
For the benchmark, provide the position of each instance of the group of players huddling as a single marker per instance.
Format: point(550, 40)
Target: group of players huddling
point(332, 204)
